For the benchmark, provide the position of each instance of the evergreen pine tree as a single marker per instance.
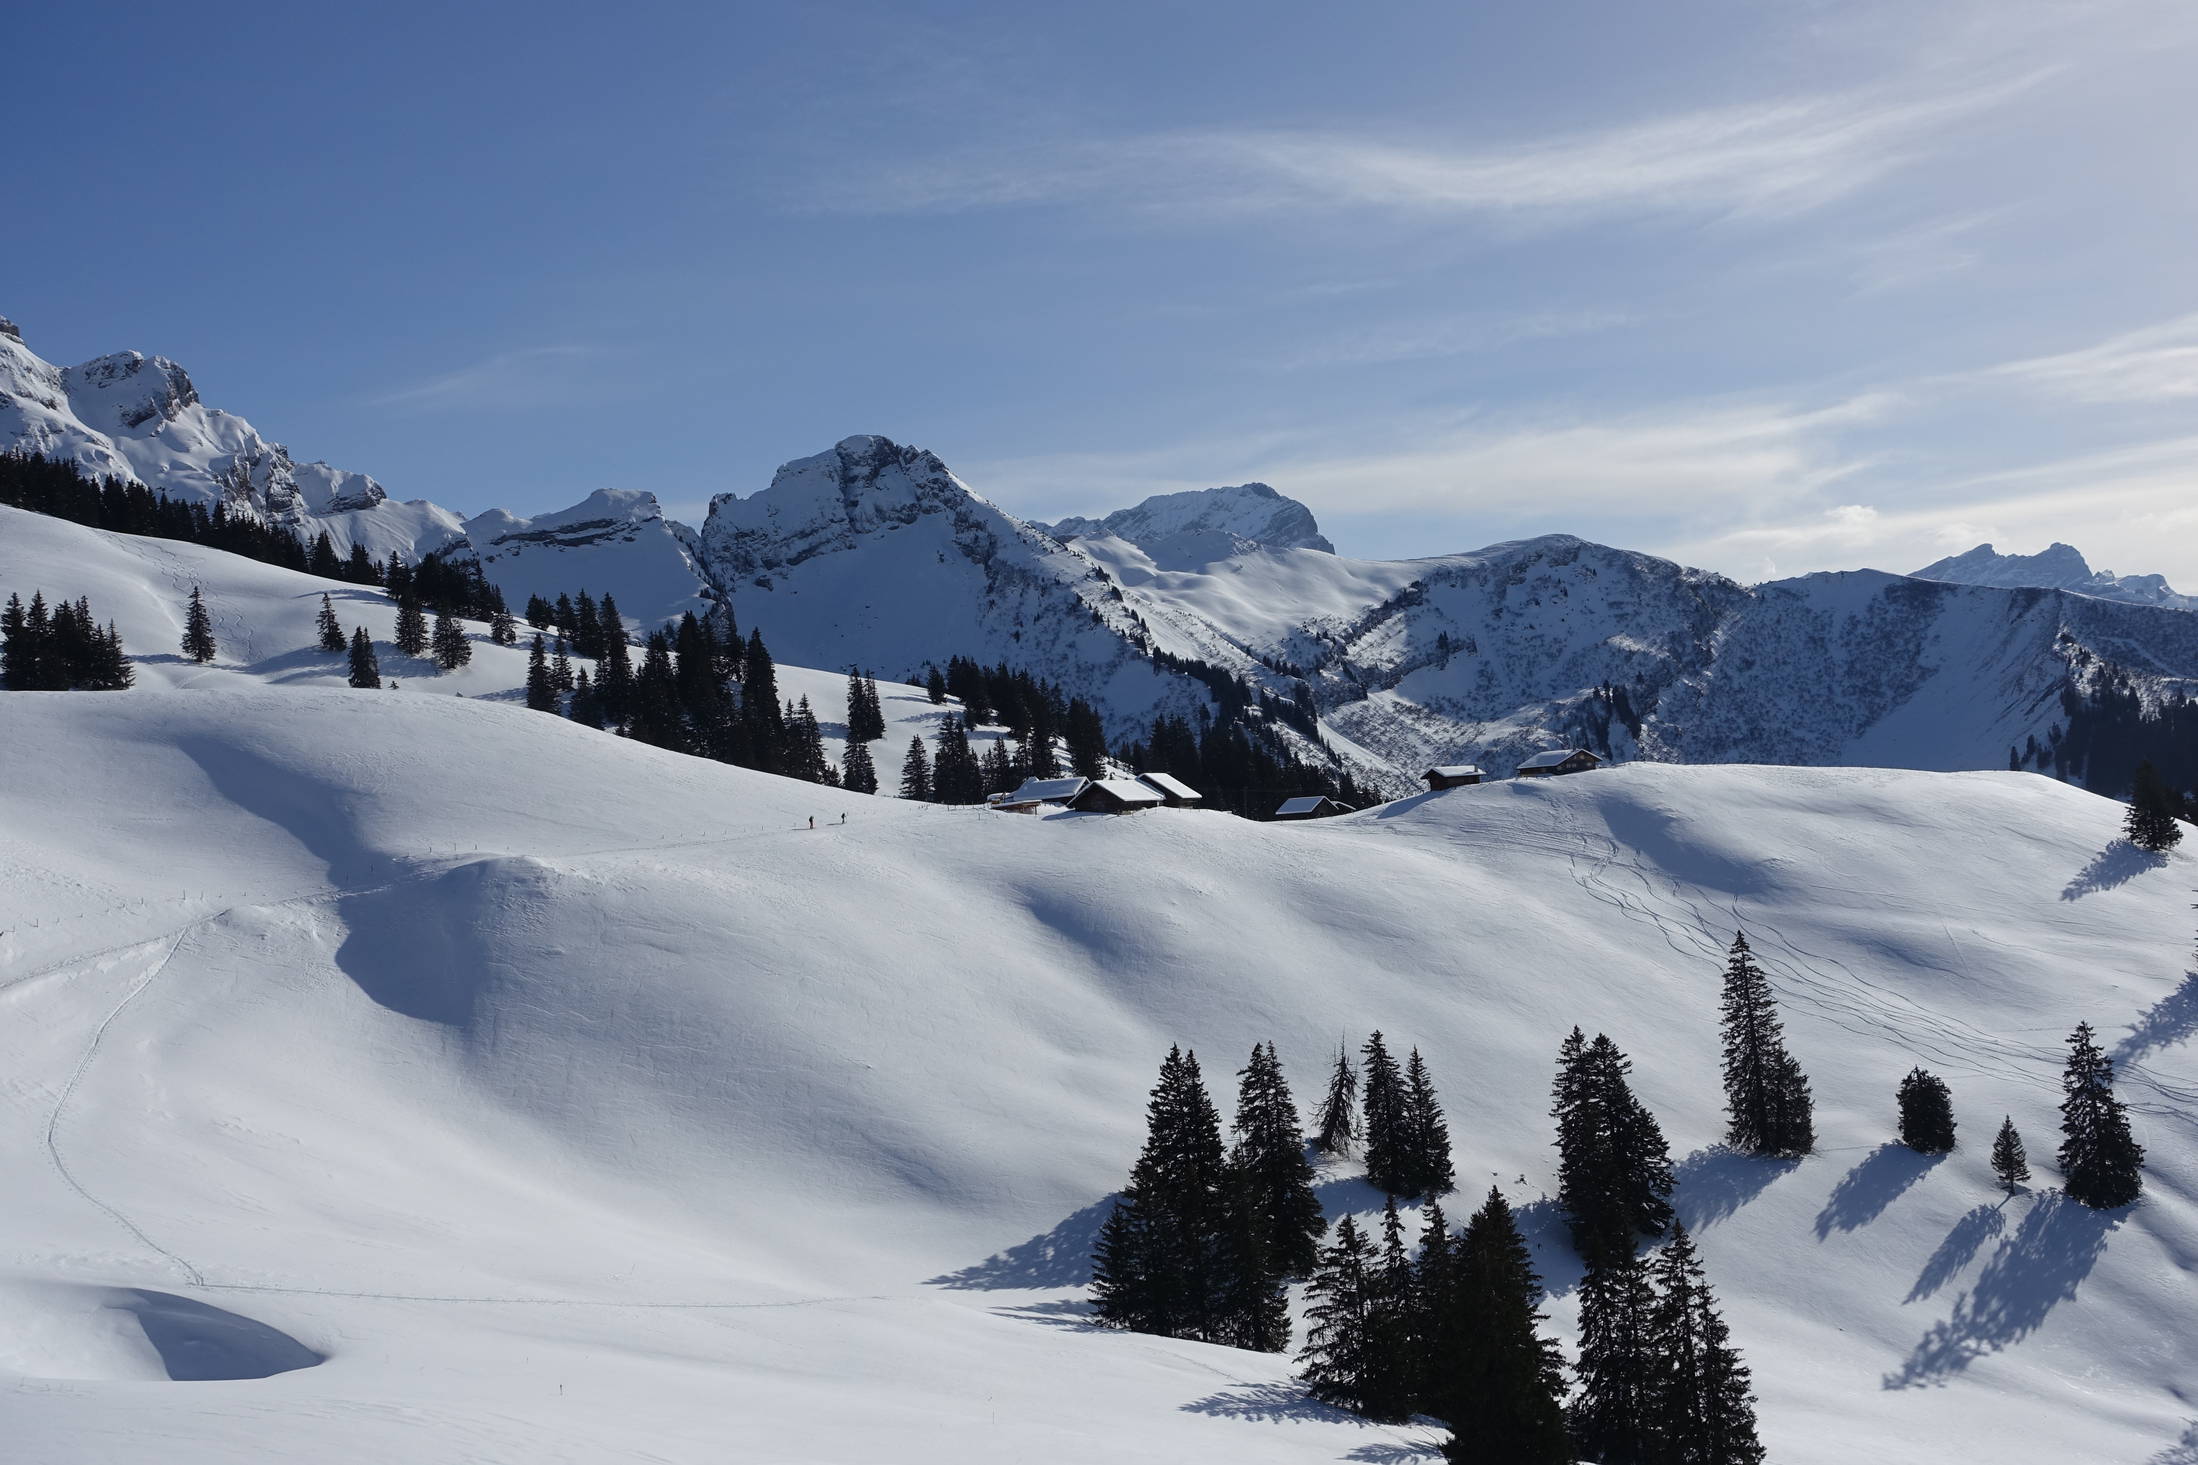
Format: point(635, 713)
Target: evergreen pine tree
point(1388, 1138)
point(1162, 1264)
point(502, 629)
point(2151, 823)
point(956, 777)
point(541, 690)
point(1336, 1126)
point(805, 746)
point(585, 707)
point(865, 716)
point(2102, 1165)
point(540, 614)
point(1439, 1325)
point(366, 670)
point(198, 629)
point(332, 637)
point(451, 647)
point(1614, 1176)
point(1766, 1097)
point(1340, 1362)
point(1270, 1160)
point(411, 636)
point(560, 669)
point(1503, 1395)
point(653, 713)
point(321, 559)
point(614, 667)
point(1255, 1301)
point(1394, 1388)
point(916, 773)
point(1702, 1411)
point(1087, 740)
point(1926, 1113)
point(763, 720)
point(18, 657)
point(359, 568)
point(1427, 1133)
point(858, 774)
point(2009, 1162)
point(1611, 1415)
point(934, 687)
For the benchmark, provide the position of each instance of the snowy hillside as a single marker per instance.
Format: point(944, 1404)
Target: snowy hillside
point(2056, 567)
point(615, 540)
point(1203, 525)
point(556, 1098)
point(264, 623)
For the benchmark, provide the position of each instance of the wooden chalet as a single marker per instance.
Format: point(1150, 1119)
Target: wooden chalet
point(1311, 806)
point(1559, 760)
point(1116, 796)
point(1454, 775)
point(1174, 792)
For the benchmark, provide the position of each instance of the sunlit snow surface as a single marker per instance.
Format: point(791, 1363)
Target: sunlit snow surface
point(396, 1076)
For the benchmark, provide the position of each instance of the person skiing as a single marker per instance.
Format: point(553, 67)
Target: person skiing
point(812, 821)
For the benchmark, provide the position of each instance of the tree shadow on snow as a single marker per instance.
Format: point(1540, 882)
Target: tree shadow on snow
point(1076, 1314)
point(1976, 1227)
point(2183, 1452)
point(1060, 1257)
point(1350, 1195)
point(2165, 1023)
point(1717, 1180)
point(1864, 1192)
point(1397, 1453)
point(2032, 1272)
point(2117, 864)
point(1271, 1404)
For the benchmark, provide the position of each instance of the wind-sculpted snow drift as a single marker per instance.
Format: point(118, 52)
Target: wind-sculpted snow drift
point(573, 1100)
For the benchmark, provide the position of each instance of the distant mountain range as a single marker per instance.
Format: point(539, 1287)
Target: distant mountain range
point(2057, 567)
point(874, 554)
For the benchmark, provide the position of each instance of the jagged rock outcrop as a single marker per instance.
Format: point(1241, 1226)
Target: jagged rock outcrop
point(1203, 525)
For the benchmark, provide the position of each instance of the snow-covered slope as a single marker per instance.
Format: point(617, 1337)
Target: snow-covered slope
point(2056, 567)
point(265, 624)
point(569, 1100)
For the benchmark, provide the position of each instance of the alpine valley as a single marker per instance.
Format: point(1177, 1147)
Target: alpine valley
point(388, 1075)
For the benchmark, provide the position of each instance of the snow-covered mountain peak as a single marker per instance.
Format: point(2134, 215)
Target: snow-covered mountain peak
point(124, 390)
point(8, 328)
point(1180, 529)
point(2056, 567)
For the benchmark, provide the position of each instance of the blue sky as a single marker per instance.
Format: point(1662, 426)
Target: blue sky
point(1766, 285)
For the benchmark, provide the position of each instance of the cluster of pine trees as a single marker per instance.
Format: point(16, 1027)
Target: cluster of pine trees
point(2156, 812)
point(62, 491)
point(1204, 1237)
point(62, 649)
point(1398, 1118)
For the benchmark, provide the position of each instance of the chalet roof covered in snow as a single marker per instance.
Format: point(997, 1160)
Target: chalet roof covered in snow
point(1129, 790)
point(1170, 786)
point(1454, 770)
point(1303, 804)
point(1047, 791)
point(1553, 757)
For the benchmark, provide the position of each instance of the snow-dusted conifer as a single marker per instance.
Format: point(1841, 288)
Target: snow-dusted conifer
point(2009, 1163)
point(1340, 1361)
point(198, 629)
point(366, 669)
point(1767, 1098)
point(1162, 1261)
point(2151, 823)
point(1702, 1410)
point(1270, 1160)
point(1427, 1133)
point(2102, 1165)
point(411, 638)
point(451, 646)
point(858, 774)
point(541, 688)
point(1388, 1142)
point(1502, 1394)
point(916, 773)
point(1336, 1126)
point(1610, 1417)
point(331, 630)
point(1926, 1113)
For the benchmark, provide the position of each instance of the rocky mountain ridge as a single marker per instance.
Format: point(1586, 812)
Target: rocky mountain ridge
point(875, 554)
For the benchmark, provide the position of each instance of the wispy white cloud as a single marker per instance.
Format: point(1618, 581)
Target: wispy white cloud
point(537, 376)
point(1423, 339)
point(2133, 507)
point(2156, 363)
point(1775, 157)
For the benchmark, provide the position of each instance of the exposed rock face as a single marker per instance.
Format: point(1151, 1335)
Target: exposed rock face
point(2056, 567)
